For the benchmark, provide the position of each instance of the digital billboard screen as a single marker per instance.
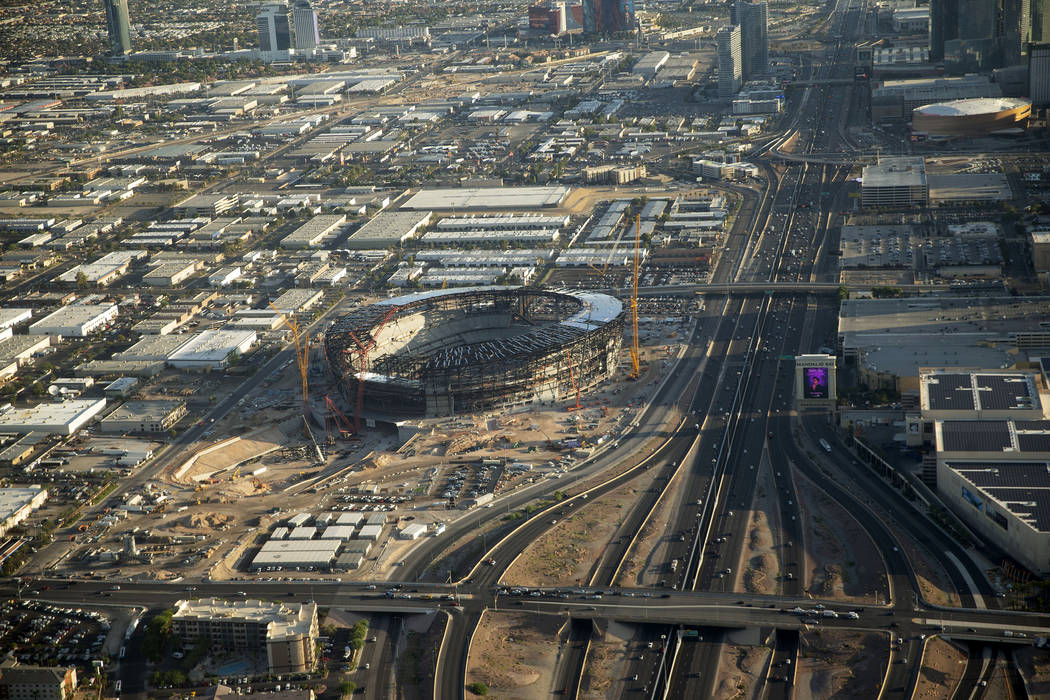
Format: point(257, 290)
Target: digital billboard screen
point(815, 383)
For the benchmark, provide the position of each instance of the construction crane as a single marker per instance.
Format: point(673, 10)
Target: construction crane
point(302, 358)
point(635, 355)
point(575, 386)
point(363, 348)
point(302, 355)
point(342, 423)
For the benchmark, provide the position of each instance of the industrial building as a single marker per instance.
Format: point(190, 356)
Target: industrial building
point(296, 300)
point(388, 229)
point(9, 318)
point(104, 271)
point(482, 198)
point(947, 395)
point(148, 417)
point(447, 352)
point(75, 320)
point(973, 117)
point(895, 182)
point(313, 232)
point(169, 274)
point(17, 503)
point(287, 632)
point(212, 349)
point(891, 340)
point(55, 418)
point(21, 348)
point(995, 475)
point(314, 555)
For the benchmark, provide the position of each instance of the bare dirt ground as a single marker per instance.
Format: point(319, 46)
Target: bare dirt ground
point(645, 564)
point(514, 654)
point(607, 660)
point(740, 671)
point(942, 668)
point(759, 568)
point(842, 561)
point(567, 551)
point(840, 664)
point(1034, 665)
point(418, 656)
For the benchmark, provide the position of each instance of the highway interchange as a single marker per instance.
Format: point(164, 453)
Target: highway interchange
point(730, 401)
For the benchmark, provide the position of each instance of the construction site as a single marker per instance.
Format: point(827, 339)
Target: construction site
point(450, 352)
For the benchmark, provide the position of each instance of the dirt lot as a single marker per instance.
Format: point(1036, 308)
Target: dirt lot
point(515, 654)
point(607, 661)
point(840, 664)
point(740, 670)
point(759, 564)
point(567, 551)
point(1035, 668)
point(942, 668)
point(842, 561)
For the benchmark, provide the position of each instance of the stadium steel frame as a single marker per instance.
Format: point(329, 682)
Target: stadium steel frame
point(577, 338)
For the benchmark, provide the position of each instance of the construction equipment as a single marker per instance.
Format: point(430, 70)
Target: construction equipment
point(363, 348)
point(635, 355)
point(302, 355)
point(336, 417)
point(302, 358)
point(575, 386)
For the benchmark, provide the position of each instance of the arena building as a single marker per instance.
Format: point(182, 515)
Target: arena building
point(973, 117)
point(446, 352)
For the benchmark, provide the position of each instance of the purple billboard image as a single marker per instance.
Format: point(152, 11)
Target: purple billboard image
point(815, 382)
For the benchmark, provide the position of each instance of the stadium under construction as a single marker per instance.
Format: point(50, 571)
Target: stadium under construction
point(447, 352)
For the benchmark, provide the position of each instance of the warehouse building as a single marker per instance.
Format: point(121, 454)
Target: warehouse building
point(995, 475)
point(212, 349)
point(312, 555)
point(169, 274)
point(297, 300)
point(21, 348)
point(313, 232)
point(104, 271)
point(947, 395)
point(288, 632)
point(75, 320)
point(17, 503)
point(9, 318)
point(482, 198)
point(388, 229)
point(146, 417)
point(60, 418)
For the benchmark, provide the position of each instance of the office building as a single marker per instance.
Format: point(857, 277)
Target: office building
point(754, 39)
point(304, 19)
point(979, 35)
point(288, 633)
point(608, 16)
point(275, 34)
point(1039, 74)
point(118, 24)
point(730, 69)
point(23, 682)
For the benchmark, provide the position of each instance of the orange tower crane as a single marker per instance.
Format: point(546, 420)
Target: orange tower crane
point(302, 355)
point(363, 348)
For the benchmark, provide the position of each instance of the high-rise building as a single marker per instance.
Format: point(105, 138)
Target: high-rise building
point(730, 70)
point(1039, 22)
point(608, 16)
point(1039, 74)
point(119, 26)
point(981, 35)
point(275, 34)
point(304, 18)
point(751, 17)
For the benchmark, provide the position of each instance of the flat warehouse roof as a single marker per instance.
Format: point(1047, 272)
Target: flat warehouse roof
point(510, 198)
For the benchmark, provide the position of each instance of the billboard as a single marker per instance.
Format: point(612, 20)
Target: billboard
point(815, 382)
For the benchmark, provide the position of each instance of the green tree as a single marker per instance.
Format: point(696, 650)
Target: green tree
point(347, 687)
point(82, 280)
point(478, 688)
point(158, 635)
